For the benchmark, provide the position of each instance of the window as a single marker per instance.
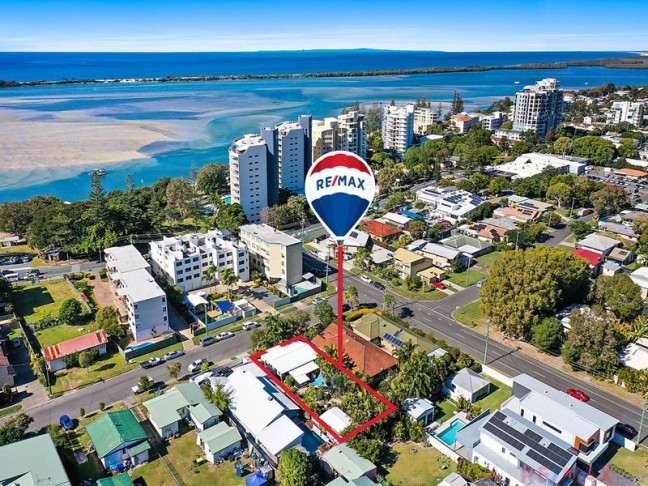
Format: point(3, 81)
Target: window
point(163, 309)
point(548, 425)
point(197, 275)
point(195, 259)
point(165, 318)
point(163, 299)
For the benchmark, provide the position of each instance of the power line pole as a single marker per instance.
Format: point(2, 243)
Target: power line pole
point(488, 323)
point(643, 414)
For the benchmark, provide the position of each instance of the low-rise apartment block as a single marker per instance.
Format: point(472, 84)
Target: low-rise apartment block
point(145, 304)
point(273, 252)
point(183, 260)
point(626, 111)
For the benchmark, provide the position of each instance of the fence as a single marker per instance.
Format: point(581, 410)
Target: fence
point(493, 373)
point(129, 353)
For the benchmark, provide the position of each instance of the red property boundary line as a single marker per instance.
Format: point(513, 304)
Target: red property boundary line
point(391, 408)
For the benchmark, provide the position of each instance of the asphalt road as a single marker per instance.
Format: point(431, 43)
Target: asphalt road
point(119, 388)
point(55, 271)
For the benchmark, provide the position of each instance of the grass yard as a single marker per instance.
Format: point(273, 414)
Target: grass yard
point(286, 309)
point(485, 262)
point(470, 315)
point(429, 293)
point(9, 410)
point(498, 394)
point(180, 454)
point(445, 410)
point(62, 332)
point(32, 301)
point(424, 467)
point(17, 250)
point(106, 367)
point(466, 278)
point(635, 463)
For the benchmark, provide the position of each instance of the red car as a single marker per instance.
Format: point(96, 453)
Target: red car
point(577, 394)
point(438, 285)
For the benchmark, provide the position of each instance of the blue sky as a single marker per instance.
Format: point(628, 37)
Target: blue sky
point(250, 25)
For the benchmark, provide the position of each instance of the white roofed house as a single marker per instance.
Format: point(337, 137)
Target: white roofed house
point(635, 355)
point(420, 410)
point(640, 277)
point(296, 359)
point(399, 220)
point(467, 384)
point(442, 256)
point(598, 243)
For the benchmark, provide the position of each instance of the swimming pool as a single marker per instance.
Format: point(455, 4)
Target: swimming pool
point(449, 435)
point(139, 346)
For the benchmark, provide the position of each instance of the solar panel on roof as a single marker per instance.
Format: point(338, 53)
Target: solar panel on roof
point(393, 340)
point(531, 434)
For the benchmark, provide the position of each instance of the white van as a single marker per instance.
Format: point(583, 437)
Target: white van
point(11, 277)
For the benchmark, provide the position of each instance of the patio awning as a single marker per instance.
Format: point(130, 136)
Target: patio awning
point(195, 300)
point(301, 374)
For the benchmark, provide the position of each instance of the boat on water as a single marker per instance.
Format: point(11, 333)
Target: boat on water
point(516, 82)
point(99, 172)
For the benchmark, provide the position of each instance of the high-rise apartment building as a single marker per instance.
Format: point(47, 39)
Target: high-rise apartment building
point(538, 107)
point(398, 127)
point(423, 118)
point(324, 137)
point(291, 156)
point(351, 133)
point(625, 111)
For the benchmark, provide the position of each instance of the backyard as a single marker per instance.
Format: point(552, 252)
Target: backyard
point(499, 393)
point(34, 301)
point(417, 465)
point(62, 332)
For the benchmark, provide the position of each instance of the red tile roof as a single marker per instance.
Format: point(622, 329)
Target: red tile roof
point(462, 118)
point(632, 172)
point(379, 229)
point(366, 356)
point(4, 362)
point(75, 345)
point(592, 257)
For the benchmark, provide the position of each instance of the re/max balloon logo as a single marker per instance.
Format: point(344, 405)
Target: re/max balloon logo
point(340, 181)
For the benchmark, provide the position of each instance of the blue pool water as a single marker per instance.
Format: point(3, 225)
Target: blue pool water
point(449, 435)
point(141, 345)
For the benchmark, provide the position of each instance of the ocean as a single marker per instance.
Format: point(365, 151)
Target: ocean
point(152, 130)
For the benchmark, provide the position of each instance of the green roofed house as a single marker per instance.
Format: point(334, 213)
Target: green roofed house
point(122, 479)
point(347, 463)
point(118, 436)
point(32, 462)
point(375, 327)
point(219, 441)
point(183, 401)
point(363, 481)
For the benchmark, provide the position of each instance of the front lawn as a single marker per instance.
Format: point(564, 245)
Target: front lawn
point(470, 315)
point(62, 332)
point(636, 463)
point(418, 465)
point(32, 301)
point(159, 353)
point(498, 394)
point(425, 293)
point(466, 278)
point(180, 454)
point(17, 250)
point(485, 262)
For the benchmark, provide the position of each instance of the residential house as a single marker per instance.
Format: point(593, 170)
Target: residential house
point(594, 259)
point(621, 256)
point(219, 441)
point(632, 174)
point(467, 384)
point(356, 239)
point(366, 356)
point(337, 419)
point(640, 277)
point(380, 231)
point(401, 221)
point(472, 247)
point(117, 437)
point(622, 230)
point(122, 479)
point(185, 401)
point(523, 202)
point(463, 122)
point(33, 461)
point(448, 202)
point(432, 274)
point(381, 257)
point(144, 301)
point(183, 260)
point(420, 410)
point(273, 252)
point(408, 264)
point(608, 269)
point(443, 257)
point(347, 463)
point(505, 223)
point(296, 359)
point(55, 355)
point(635, 355)
point(530, 164)
point(583, 427)
point(361, 481)
point(518, 451)
point(264, 413)
point(454, 479)
point(486, 232)
point(7, 372)
point(520, 215)
point(598, 243)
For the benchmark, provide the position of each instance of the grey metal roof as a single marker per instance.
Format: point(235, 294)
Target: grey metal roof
point(440, 250)
point(598, 242)
point(468, 380)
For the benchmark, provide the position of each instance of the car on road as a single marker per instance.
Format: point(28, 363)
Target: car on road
point(438, 285)
point(481, 282)
point(173, 355)
point(626, 430)
point(196, 365)
point(378, 285)
point(207, 340)
point(366, 279)
point(314, 252)
point(151, 362)
point(136, 388)
point(317, 300)
point(66, 422)
point(250, 325)
point(578, 394)
point(224, 335)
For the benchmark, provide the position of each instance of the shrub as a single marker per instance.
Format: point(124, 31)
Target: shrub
point(102, 406)
point(472, 471)
point(356, 314)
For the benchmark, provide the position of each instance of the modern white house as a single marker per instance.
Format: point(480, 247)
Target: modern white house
point(183, 260)
point(144, 302)
point(448, 202)
point(420, 410)
point(530, 164)
point(538, 107)
point(273, 252)
point(467, 384)
point(337, 419)
point(296, 359)
point(584, 428)
point(398, 127)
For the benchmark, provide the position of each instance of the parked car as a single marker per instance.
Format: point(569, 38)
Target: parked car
point(66, 422)
point(578, 394)
point(224, 335)
point(626, 430)
point(378, 285)
point(250, 325)
point(196, 365)
point(366, 279)
point(481, 282)
point(136, 388)
point(151, 362)
point(173, 355)
point(207, 340)
point(346, 307)
point(317, 300)
point(438, 285)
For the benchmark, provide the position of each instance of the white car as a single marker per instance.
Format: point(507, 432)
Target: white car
point(224, 335)
point(196, 365)
point(136, 389)
point(317, 300)
point(250, 325)
point(365, 279)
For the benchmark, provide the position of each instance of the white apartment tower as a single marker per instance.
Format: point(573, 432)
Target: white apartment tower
point(183, 260)
point(324, 137)
point(398, 127)
point(423, 118)
point(625, 111)
point(351, 134)
point(538, 107)
point(291, 156)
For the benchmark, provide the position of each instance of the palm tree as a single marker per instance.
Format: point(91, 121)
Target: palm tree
point(220, 397)
point(405, 352)
point(389, 302)
point(210, 274)
point(416, 376)
point(228, 278)
point(639, 328)
point(351, 296)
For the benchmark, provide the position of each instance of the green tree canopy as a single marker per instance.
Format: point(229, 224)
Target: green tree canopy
point(15, 428)
point(609, 200)
point(70, 311)
point(231, 217)
point(107, 319)
point(598, 150)
point(324, 312)
point(212, 179)
point(620, 295)
point(548, 335)
point(294, 468)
